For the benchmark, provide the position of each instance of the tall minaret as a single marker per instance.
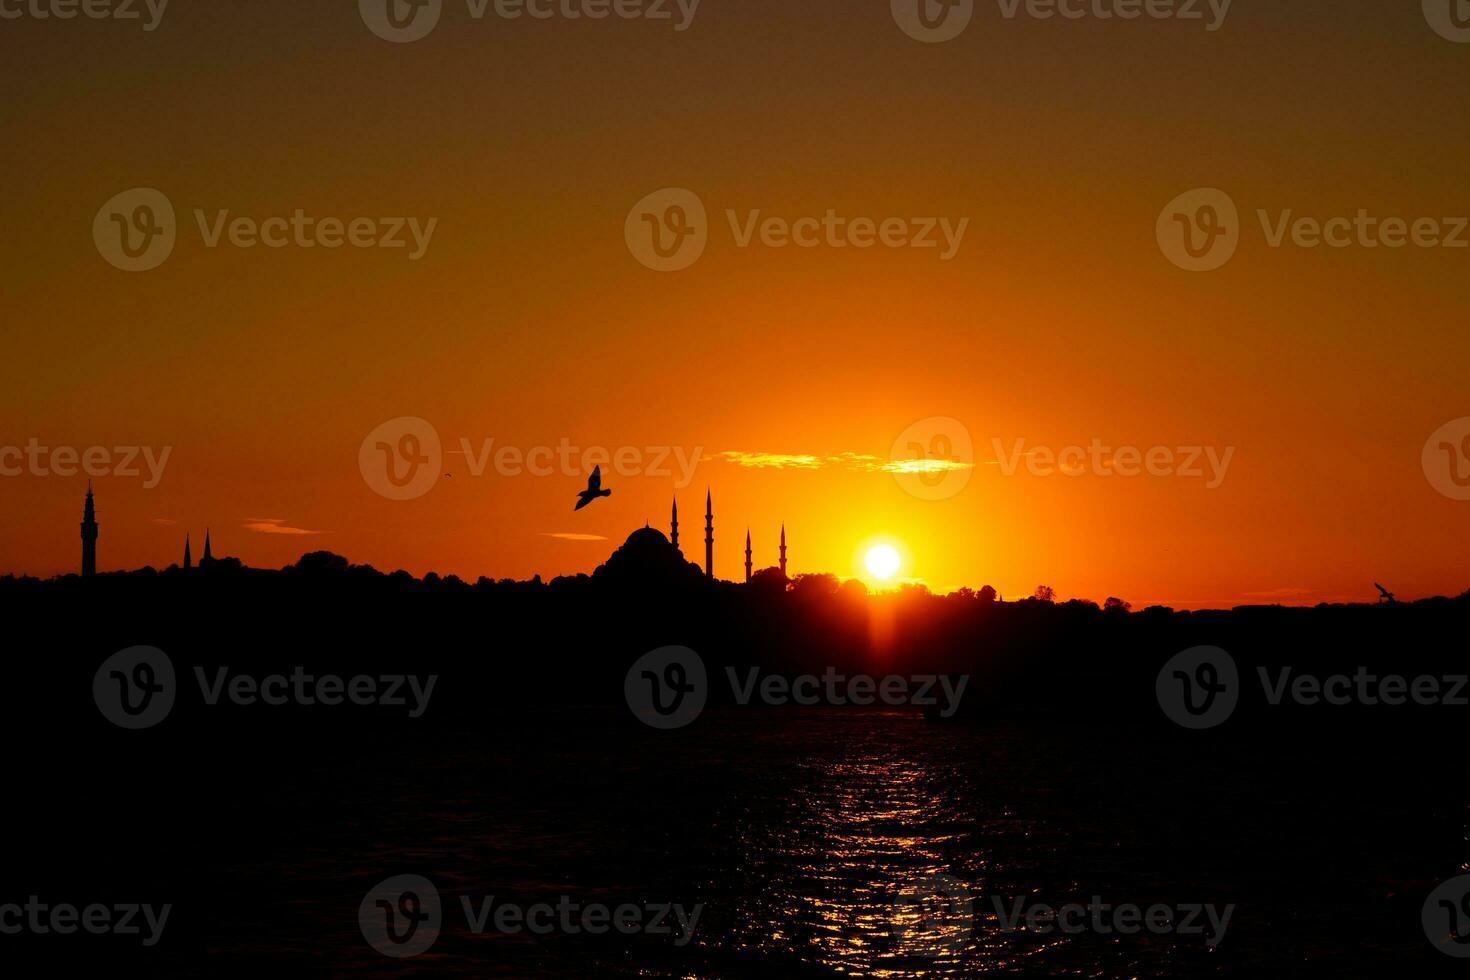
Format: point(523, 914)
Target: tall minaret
point(208, 555)
point(747, 554)
point(188, 560)
point(783, 549)
point(674, 528)
point(89, 535)
point(709, 536)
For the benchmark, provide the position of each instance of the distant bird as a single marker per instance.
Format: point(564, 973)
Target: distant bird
point(1384, 595)
point(594, 489)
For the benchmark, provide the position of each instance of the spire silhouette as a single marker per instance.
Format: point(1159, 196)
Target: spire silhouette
point(747, 553)
point(208, 555)
point(709, 535)
point(674, 525)
point(89, 535)
point(783, 548)
point(188, 559)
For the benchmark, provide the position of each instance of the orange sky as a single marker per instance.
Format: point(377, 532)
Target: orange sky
point(528, 321)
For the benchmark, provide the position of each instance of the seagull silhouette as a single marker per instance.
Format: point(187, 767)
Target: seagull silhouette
point(593, 491)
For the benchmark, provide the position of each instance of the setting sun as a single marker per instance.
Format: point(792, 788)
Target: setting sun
point(882, 561)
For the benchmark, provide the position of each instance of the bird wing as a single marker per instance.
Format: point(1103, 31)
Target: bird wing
point(594, 482)
point(583, 499)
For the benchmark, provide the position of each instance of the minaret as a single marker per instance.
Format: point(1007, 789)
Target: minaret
point(89, 535)
point(747, 554)
point(783, 549)
point(208, 556)
point(674, 527)
point(188, 560)
point(709, 536)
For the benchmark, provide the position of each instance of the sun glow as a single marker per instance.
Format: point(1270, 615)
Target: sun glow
point(882, 562)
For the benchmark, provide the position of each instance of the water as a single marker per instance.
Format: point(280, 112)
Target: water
point(796, 831)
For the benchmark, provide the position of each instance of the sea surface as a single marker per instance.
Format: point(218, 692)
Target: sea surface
point(832, 842)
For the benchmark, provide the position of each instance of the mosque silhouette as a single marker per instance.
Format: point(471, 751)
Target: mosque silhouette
point(648, 554)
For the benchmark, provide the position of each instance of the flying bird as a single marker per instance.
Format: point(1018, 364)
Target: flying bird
point(594, 489)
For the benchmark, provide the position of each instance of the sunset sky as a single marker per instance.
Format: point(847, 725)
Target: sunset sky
point(527, 319)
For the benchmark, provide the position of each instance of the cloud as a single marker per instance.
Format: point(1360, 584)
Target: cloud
point(771, 461)
point(274, 525)
point(568, 536)
point(853, 462)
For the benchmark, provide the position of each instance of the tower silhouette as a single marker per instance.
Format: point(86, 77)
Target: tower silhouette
point(783, 549)
point(89, 535)
point(208, 555)
point(709, 536)
point(188, 560)
point(747, 554)
point(674, 526)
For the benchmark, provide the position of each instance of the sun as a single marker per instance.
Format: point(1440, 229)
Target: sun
point(882, 561)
